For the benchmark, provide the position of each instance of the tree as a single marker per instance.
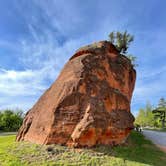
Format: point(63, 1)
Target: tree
point(10, 120)
point(140, 119)
point(1, 127)
point(149, 115)
point(160, 112)
point(145, 116)
point(122, 42)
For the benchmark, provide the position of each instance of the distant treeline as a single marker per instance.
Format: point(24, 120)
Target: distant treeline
point(152, 116)
point(10, 120)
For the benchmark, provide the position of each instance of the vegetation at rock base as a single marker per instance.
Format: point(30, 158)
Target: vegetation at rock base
point(122, 41)
point(10, 120)
point(151, 117)
point(136, 152)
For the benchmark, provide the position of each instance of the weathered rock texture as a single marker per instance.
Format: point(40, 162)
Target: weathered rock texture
point(88, 104)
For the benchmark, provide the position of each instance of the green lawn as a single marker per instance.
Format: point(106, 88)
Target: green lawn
point(136, 152)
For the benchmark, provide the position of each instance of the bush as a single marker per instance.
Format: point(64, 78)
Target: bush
point(10, 120)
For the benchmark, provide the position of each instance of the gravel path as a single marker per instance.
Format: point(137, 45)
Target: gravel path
point(7, 133)
point(158, 138)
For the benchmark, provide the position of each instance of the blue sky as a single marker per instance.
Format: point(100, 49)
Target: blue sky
point(37, 37)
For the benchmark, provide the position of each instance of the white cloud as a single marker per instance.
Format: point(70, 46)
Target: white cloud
point(43, 59)
point(24, 83)
point(149, 87)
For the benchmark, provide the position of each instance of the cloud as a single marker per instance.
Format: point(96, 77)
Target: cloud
point(23, 83)
point(150, 86)
point(20, 89)
point(17, 102)
point(42, 59)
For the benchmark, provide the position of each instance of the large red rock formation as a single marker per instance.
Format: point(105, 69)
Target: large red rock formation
point(88, 104)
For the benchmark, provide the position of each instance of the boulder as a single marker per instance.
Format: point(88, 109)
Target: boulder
point(88, 104)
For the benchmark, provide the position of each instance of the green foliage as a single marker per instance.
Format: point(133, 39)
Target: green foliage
point(122, 40)
point(145, 116)
point(160, 112)
point(10, 120)
point(162, 103)
point(132, 59)
point(152, 118)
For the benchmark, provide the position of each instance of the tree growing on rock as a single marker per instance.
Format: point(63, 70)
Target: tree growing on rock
point(122, 41)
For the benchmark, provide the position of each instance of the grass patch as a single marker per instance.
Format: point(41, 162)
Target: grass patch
point(136, 152)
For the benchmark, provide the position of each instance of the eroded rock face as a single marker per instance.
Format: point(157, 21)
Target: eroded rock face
point(88, 104)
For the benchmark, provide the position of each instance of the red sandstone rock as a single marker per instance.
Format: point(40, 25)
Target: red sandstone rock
point(88, 104)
